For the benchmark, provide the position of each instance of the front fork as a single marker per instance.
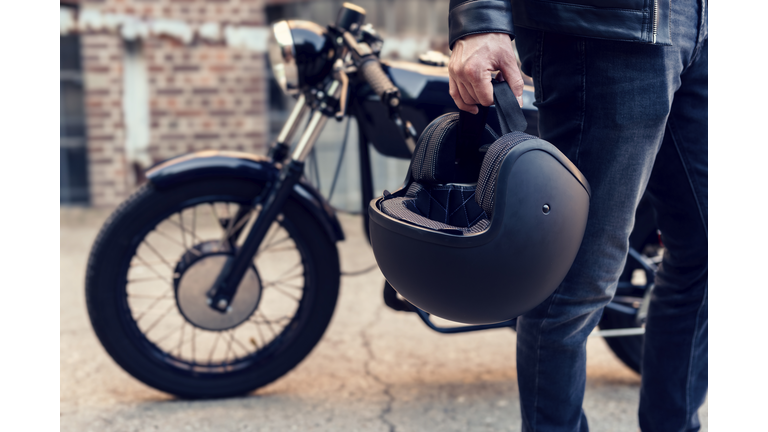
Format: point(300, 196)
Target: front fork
point(272, 199)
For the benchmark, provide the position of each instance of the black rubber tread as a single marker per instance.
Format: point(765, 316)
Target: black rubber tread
point(105, 261)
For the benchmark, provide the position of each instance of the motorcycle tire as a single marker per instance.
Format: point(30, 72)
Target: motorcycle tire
point(113, 304)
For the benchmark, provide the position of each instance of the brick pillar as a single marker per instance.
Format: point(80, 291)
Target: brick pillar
point(201, 96)
point(103, 84)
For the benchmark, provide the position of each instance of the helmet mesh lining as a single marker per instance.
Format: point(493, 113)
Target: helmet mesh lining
point(440, 207)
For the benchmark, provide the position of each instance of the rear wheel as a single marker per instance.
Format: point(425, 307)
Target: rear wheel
point(156, 257)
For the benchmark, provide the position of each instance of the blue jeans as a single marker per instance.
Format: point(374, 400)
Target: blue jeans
point(628, 115)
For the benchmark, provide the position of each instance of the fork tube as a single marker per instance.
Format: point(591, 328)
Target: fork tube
point(229, 279)
point(234, 269)
point(308, 139)
point(280, 149)
point(294, 119)
point(316, 123)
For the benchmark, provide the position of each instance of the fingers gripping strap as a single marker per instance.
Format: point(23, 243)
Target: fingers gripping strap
point(508, 111)
point(510, 114)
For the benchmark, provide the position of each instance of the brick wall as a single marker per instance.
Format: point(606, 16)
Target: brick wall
point(103, 88)
point(201, 96)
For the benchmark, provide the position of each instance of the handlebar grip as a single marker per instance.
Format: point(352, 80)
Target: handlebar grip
point(372, 72)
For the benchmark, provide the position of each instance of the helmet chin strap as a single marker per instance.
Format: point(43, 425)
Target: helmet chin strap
point(471, 126)
point(469, 134)
point(510, 114)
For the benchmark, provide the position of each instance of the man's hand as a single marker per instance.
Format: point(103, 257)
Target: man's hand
point(473, 59)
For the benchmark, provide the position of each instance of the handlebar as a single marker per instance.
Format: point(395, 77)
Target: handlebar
point(369, 66)
point(372, 72)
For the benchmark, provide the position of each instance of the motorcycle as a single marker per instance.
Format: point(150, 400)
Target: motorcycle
point(221, 273)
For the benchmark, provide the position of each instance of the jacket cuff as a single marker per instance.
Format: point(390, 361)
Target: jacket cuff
point(479, 16)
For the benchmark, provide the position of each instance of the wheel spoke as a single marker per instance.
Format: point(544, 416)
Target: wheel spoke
point(285, 273)
point(284, 249)
point(181, 227)
point(165, 336)
point(273, 244)
point(141, 264)
point(193, 344)
point(194, 251)
point(152, 248)
point(165, 313)
point(258, 328)
point(147, 279)
point(243, 347)
point(234, 226)
point(273, 229)
point(229, 345)
point(146, 296)
point(151, 268)
point(193, 238)
point(181, 336)
point(228, 230)
point(150, 307)
point(268, 323)
point(242, 221)
point(276, 288)
point(283, 281)
point(216, 215)
point(194, 222)
point(215, 341)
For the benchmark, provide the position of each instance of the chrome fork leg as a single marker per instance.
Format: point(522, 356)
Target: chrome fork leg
point(280, 149)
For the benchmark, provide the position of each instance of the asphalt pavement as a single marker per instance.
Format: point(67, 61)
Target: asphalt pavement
point(374, 370)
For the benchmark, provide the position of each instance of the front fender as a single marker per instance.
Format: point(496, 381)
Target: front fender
point(215, 163)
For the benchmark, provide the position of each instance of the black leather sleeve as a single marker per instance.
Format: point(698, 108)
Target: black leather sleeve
point(469, 17)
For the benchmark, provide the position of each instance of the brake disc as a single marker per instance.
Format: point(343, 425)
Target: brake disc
point(196, 273)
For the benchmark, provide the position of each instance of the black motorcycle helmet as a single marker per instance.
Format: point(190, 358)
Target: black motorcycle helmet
point(485, 227)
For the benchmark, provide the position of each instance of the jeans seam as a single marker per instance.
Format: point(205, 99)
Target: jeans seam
point(582, 51)
point(540, 46)
point(690, 360)
point(684, 162)
point(538, 357)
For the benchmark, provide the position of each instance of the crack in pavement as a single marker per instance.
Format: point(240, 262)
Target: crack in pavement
point(367, 368)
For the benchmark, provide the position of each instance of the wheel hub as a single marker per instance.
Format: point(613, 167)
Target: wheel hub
point(196, 274)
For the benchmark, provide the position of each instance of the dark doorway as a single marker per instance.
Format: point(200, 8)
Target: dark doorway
point(73, 151)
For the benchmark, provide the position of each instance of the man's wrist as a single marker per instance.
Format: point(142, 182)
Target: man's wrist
point(479, 16)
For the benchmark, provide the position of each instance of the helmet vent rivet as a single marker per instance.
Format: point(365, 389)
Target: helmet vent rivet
point(545, 208)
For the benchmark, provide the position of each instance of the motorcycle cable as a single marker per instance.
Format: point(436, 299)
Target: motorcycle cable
point(341, 159)
point(336, 174)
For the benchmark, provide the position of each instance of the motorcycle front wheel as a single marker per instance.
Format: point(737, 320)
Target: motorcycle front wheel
point(154, 260)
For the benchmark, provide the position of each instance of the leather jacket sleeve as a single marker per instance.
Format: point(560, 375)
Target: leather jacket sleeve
point(468, 17)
